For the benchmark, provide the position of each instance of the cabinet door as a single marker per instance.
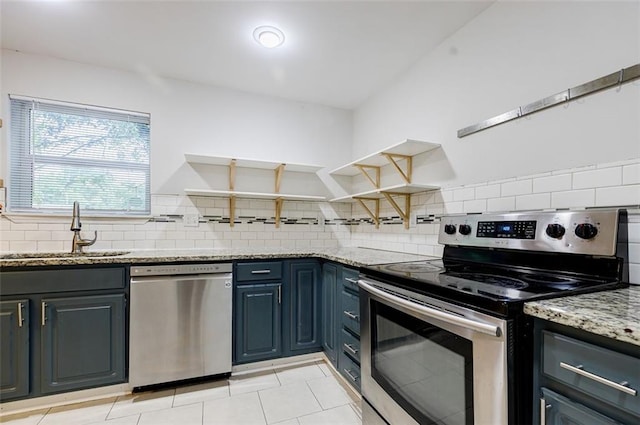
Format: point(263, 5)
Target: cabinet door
point(329, 311)
point(83, 342)
point(258, 322)
point(558, 410)
point(305, 314)
point(14, 350)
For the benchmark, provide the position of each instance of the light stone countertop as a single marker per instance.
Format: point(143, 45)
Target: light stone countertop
point(350, 256)
point(613, 314)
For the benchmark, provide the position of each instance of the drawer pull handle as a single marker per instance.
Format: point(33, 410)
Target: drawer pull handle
point(350, 315)
point(351, 280)
point(580, 371)
point(350, 349)
point(352, 377)
point(260, 271)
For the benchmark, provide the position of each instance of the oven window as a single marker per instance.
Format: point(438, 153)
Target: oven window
point(427, 370)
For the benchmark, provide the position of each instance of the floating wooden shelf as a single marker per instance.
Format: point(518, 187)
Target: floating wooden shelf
point(232, 194)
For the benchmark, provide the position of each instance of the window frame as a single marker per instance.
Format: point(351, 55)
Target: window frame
point(19, 149)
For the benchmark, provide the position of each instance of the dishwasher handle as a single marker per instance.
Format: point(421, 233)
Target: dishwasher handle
point(150, 279)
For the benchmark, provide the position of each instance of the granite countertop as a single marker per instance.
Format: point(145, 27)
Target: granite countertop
point(350, 256)
point(613, 314)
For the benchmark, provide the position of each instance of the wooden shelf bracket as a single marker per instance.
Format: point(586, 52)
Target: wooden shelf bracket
point(232, 210)
point(375, 215)
point(232, 174)
point(404, 214)
point(393, 160)
point(375, 181)
point(279, 202)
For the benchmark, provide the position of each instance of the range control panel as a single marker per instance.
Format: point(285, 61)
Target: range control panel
point(591, 232)
point(507, 229)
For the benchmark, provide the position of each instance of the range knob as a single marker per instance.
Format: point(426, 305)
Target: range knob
point(586, 231)
point(555, 230)
point(450, 229)
point(464, 229)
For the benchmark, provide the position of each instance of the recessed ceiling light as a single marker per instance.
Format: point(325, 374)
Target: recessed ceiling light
point(268, 37)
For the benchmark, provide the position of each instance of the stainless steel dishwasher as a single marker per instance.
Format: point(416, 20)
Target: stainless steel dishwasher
point(180, 322)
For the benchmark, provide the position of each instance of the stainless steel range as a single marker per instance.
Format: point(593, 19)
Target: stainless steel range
point(445, 341)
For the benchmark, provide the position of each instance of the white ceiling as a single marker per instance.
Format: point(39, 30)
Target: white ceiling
point(336, 53)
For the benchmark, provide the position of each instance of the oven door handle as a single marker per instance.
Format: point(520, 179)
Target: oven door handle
point(475, 325)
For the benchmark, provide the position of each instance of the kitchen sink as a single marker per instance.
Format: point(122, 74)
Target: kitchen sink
point(30, 255)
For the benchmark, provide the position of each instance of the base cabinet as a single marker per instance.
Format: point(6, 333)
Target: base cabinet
point(341, 320)
point(258, 315)
point(277, 309)
point(14, 350)
point(82, 342)
point(584, 379)
point(330, 329)
point(67, 334)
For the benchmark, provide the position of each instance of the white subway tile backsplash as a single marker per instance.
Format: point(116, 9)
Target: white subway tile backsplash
point(634, 253)
point(501, 204)
point(518, 187)
point(454, 207)
point(38, 235)
point(573, 199)
point(464, 194)
point(489, 191)
point(23, 246)
point(634, 232)
point(50, 246)
point(598, 178)
point(621, 195)
point(631, 174)
point(536, 201)
point(552, 183)
point(13, 235)
point(476, 206)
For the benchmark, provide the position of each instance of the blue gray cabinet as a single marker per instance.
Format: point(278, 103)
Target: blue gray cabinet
point(303, 317)
point(582, 378)
point(257, 312)
point(277, 309)
point(14, 350)
point(330, 277)
point(82, 342)
point(349, 313)
point(257, 322)
point(73, 329)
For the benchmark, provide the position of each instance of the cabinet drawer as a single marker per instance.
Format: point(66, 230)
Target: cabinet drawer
point(265, 270)
point(561, 410)
point(608, 375)
point(351, 312)
point(351, 345)
point(350, 279)
point(350, 370)
point(67, 280)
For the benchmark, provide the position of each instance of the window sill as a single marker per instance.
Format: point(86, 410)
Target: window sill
point(66, 218)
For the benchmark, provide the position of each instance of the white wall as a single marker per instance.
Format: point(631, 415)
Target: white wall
point(187, 117)
point(512, 54)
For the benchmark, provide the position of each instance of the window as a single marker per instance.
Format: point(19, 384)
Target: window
point(60, 153)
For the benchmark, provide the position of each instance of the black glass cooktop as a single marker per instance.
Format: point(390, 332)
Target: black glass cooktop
point(496, 283)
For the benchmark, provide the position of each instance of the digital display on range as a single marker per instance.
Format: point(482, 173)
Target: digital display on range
point(507, 229)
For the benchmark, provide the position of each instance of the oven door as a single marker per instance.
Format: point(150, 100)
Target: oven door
point(425, 361)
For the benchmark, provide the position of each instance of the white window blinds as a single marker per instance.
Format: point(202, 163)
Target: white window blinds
point(60, 153)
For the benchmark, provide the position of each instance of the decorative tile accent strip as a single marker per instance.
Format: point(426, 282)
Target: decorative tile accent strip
point(431, 218)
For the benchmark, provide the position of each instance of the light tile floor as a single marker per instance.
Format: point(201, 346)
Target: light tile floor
point(307, 394)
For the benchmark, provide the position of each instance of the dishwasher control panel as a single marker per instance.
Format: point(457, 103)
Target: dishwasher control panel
point(180, 269)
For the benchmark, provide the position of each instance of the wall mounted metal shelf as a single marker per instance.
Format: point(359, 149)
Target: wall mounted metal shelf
point(615, 79)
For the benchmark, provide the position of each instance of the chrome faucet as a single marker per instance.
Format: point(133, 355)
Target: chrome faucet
point(78, 243)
